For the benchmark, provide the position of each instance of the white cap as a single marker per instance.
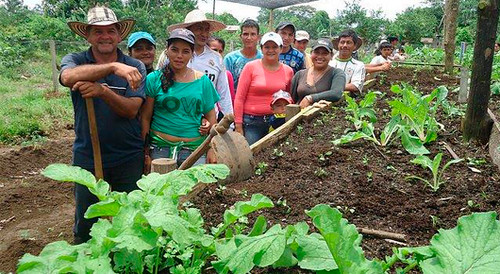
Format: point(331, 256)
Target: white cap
point(271, 36)
point(302, 35)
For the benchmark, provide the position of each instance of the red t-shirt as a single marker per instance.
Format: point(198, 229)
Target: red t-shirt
point(256, 87)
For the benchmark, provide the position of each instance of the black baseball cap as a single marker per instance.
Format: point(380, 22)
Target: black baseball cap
point(283, 25)
point(183, 34)
point(323, 43)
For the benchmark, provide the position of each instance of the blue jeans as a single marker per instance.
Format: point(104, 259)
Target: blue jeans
point(255, 127)
point(121, 178)
point(164, 152)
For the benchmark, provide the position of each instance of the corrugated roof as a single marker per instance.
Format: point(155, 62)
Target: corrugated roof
point(270, 4)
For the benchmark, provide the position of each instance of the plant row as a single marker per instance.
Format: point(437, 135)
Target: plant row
point(150, 232)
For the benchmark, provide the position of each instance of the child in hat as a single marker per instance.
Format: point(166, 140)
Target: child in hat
point(278, 104)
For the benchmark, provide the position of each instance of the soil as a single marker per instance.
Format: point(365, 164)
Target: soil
point(366, 182)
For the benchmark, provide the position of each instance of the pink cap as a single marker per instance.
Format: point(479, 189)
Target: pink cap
point(280, 94)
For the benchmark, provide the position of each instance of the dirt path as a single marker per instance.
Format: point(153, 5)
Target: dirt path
point(34, 210)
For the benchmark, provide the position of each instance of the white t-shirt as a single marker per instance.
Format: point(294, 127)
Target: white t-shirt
point(210, 63)
point(354, 71)
point(379, 59)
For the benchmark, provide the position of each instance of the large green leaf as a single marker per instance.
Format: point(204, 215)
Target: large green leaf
point(66, 173)
point(108, 207)
point(343, 241)
point(262, 250)
point(54, 258)
point(258, 201)
point(412, 144)
point(313, 253)
point(471, 247)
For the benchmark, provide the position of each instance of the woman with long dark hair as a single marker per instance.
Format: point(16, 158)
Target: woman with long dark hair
point(177, 97)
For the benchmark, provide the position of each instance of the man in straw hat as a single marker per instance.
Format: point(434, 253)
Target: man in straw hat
point(347, 42)
point(115, 83)
point(205, 59)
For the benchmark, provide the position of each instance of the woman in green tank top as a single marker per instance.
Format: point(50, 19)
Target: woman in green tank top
point(177, 98)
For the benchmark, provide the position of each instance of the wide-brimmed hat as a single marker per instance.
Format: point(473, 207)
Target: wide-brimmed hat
point(357, 43)
point(197, 16)
point(102, 16)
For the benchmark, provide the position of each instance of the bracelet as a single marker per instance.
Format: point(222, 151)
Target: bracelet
point(309, 98)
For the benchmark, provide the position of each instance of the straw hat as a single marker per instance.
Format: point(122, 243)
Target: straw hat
point(102, 16)
point(358, 42)
point(197, 16)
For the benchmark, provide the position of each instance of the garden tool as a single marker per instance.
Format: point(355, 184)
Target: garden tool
point(230, 148)
point(94, 136)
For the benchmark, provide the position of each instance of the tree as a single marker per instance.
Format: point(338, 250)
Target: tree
point(415, 23)
point(13, 6)
point(450, 30)
point(476, 125)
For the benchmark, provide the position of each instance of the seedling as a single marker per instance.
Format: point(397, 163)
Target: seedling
point(320, 172)
point(261, 168)
point(299, 129)
point(472, 204)
point(476, 161)
point(278, 153)
point(220, 188)
point(363, 109)
point(369, 176)
point(282, 202)
point(436, 221)
point(323, 156)
point(433, 165)
point(365, 159)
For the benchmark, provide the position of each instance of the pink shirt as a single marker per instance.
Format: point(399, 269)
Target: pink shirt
point(230, 81)
point(256, 87)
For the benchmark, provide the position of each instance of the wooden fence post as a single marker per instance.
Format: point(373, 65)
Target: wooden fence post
point(463, 93)
point(55, 71)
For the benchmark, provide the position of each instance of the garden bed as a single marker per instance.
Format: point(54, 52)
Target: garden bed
point(367, 182)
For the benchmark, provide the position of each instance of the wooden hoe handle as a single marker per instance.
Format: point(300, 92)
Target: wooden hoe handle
point(94, 136)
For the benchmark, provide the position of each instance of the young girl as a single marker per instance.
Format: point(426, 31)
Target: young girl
point(382, 53)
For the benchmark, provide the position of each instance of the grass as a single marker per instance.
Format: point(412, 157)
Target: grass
point(29, 108)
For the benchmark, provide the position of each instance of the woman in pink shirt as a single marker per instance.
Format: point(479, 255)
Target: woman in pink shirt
point(258, 81)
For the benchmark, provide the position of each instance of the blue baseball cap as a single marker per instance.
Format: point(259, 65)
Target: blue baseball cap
point(136, 36)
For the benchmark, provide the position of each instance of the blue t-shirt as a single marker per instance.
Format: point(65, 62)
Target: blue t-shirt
point(120, 138)
point(293, 58)
point(235, 61)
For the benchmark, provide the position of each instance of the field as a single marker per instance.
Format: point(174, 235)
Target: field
point(365, 182)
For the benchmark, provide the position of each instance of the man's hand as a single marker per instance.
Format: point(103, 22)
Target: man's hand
point(131, 74)
point(386, 66)
point(89, 89)
point(211, 158)
point(205, 126)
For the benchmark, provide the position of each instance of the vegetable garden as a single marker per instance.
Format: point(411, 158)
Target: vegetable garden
point(393, 162)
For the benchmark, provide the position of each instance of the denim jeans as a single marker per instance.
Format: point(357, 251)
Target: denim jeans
point(121, 178)
point(164, 152)
point(255, 127)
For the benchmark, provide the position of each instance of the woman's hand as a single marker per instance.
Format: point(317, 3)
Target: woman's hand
point(211, 158)
point(239, 128)
point(305, 102)
point(205, 126)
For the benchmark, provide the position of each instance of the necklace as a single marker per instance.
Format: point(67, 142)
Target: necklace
point(183, 77)
point(316, 76)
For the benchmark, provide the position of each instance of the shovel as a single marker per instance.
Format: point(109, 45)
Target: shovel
point(230, 148)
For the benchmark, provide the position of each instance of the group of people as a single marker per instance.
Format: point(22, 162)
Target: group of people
point(146, 112)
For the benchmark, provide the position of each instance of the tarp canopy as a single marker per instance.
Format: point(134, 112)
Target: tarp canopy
point(270, 4)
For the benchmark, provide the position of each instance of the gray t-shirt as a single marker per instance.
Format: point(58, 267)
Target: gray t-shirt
point(329, 87)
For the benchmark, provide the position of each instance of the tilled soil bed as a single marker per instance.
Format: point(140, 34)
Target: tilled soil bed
point(367, 183)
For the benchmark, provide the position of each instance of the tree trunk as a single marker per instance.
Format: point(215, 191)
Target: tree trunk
point(450, 30)
point(476, 125)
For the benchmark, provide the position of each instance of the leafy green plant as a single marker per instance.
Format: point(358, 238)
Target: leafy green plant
point(320, 172)
point(261, 168)
point(364, 109)
point(278, 153)
point(433, 166)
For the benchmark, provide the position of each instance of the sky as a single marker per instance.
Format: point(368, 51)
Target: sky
point(390, 8)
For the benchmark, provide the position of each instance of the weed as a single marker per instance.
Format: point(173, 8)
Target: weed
point(476, 161)
point(278, 153)
point(299, 129)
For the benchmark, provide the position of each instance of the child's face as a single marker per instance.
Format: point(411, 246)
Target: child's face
point(279, 106)
point(386, 52)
